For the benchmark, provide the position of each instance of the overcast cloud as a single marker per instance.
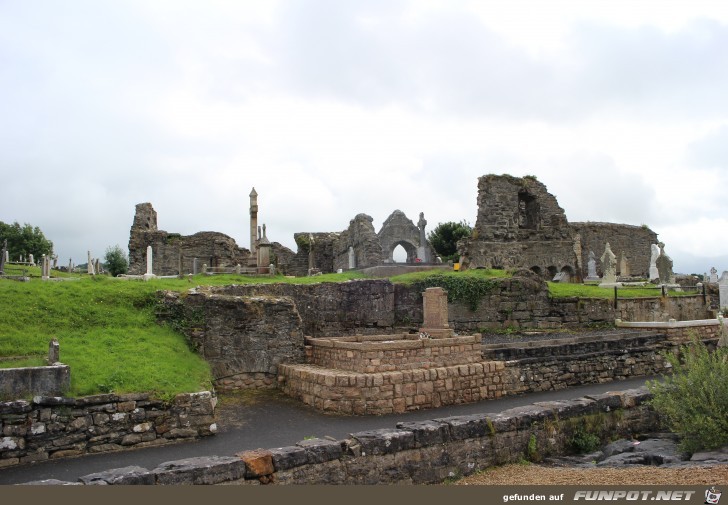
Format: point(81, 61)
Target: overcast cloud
point(334, 108)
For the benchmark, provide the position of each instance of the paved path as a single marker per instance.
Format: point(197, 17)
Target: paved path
point(275, 421)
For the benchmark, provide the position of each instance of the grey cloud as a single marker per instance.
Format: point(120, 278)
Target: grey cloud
point(711, 151)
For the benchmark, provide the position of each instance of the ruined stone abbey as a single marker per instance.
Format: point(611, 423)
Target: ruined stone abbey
point(519, 224)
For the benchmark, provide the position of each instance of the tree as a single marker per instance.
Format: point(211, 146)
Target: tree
point(116, 261)
point(444, 238)
point(25, 240)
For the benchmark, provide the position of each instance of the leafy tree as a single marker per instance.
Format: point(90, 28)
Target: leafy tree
point(24, 240)
point(444, 238)
point(116, 261)
point(693, 401)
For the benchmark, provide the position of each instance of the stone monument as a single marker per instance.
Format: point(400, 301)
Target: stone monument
point(54, 352)
point(31, 260)
point(253, 220)
point(264, 246)
point(713, 275)
point(577, 257)
point(664, 266)
point(723, 290)
point(352, 258)
point(623, 265)
point(655, 253)
point(592, 268)
point(609, 266)
point(421, 249)
point(89, 264)
point(434, 313)
point(150, 265)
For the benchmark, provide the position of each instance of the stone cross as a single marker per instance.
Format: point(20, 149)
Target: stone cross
point(90, 264)
point(54, 352)
point(609, 266)
point(422, 250)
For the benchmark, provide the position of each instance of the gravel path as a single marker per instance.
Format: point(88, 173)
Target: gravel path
point(531, 474)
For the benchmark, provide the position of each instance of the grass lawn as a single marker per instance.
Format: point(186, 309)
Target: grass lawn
point(108, 333)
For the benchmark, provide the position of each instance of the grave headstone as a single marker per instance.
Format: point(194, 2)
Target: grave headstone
point(5, 257)
point(609, 266)
point(421, 249)
point(55, 261)
point(623, 265)
point(723, 290)
point(272, 269)
point(89, 264)
point(45, 267)
point(713, 275)
point(655, 253)
point(664, 267)
point(195, 266)
point(591, 266)
point(577, 256)
point(97, 266)
point(54, 352)
point(352, 258)
point(31, 260)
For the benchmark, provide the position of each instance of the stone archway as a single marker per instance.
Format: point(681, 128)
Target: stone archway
point(398, 230)
point(409, 248)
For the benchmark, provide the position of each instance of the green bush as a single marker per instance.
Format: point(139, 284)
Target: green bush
point(693, 401)
point(583, 442)
point(116, 261)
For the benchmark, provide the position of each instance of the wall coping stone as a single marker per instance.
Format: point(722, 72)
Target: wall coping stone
point(669, 324)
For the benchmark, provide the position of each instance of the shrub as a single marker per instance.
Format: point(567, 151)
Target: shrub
point(583, 442)
point(116, 261)
point(693, 401)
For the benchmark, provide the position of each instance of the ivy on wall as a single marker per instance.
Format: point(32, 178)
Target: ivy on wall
point(466, 289)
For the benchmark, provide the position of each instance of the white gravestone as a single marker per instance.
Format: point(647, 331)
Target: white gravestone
point(90, 264)
point(352, 258)
point(713, 275)
point(723, 290)
point(591, 266)
point(150, 266)
point(655, 253)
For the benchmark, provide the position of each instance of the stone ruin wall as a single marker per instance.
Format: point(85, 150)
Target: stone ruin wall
point(521, 225)
point(211, 248)
point(634, 241)
point(360, 235)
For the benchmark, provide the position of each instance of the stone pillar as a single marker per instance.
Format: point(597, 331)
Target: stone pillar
point(54, 352)
point(150, 265)
point(195, 263)
point(422, 249)
point(70, 265)
point(97, 266)
point(253, 221)
point(31, 260)
point(623, 266)
point(45, 267)
point(434, 313)
point(89, 264)
point(655, 253)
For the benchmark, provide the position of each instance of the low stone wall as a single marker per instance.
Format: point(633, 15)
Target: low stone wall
point(389, 353)
point(422, 452)
point(391, 392)
point(37, 380)
point(681, 332)
point(56, 427)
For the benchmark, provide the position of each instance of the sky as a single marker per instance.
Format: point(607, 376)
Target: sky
point(333, 108)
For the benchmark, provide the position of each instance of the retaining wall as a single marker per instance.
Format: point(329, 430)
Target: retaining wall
point(422, 452)
point(56, 427)
point(38, 380)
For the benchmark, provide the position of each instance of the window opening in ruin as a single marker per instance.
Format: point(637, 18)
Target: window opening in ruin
point(552, 271)
point(536, 270)
point(528, 211)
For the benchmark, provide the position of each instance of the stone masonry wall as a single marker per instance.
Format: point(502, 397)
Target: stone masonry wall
point(395, 353)
point(243, 338)
point(420, 452)
point(634, 241)
point(54, 427)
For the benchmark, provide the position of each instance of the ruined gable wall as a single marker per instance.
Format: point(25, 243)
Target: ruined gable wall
point(635, 241)
point(361, 236)
point(323, 253)
point(211, 248)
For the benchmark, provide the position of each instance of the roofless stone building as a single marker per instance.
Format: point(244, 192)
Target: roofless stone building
point(521, 225)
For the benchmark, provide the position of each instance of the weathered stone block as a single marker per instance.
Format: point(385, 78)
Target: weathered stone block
point(203, 470)
point(127, 476)
point(427, 433)
point(320, 450)
point(258, 463)
point(285, 458)
point(384, 441)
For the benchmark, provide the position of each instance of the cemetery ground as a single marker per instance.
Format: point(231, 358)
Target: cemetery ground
point(109, 336)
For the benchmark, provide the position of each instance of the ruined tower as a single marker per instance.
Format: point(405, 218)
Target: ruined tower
point(253, 221)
